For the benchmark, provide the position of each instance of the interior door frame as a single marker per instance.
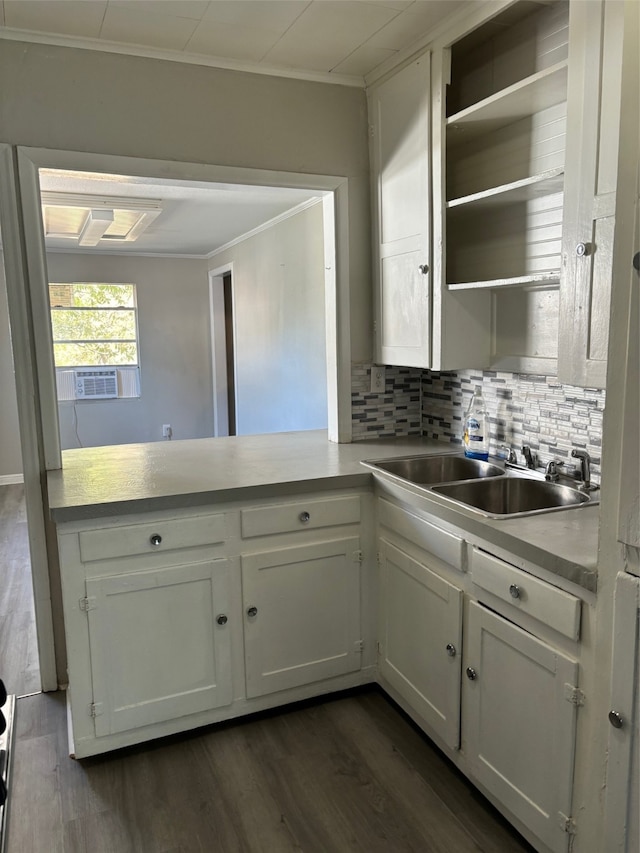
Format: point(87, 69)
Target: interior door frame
point(25, 260)
point(219, 349)
point(29, 409)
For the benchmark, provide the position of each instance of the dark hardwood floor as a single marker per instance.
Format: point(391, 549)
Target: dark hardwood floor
point(349, 773)
point(19, 667)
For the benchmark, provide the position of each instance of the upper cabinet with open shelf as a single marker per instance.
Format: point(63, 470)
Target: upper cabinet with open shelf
point(516, 125)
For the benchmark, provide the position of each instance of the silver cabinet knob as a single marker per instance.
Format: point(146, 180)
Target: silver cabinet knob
point(155, 539)
point(514, 590)
point(305, 517)
point(451, 650)
point(221, 619)
point(583, 249)
point(424, 268)
point(616, 719)
point(252, 611)
point(471, 673)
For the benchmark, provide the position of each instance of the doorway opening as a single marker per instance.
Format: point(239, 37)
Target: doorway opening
point(229, 353)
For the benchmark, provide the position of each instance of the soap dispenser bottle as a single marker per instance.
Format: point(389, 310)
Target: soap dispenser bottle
point(476, 428)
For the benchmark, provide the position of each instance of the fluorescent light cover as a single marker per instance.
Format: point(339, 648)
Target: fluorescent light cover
point(95, 225)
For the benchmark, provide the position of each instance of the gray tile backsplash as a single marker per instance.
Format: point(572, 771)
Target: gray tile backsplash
point(396, 412)
point(523, 409)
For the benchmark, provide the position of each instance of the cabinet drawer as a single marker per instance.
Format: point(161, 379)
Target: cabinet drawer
point(300, 515)
point(445, 546)
point(129, 540)
point(558, 609)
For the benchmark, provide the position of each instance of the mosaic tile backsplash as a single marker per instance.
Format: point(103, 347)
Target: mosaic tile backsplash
point(523, 409)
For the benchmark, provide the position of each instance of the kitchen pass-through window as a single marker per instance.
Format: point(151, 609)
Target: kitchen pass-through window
point(95, 340)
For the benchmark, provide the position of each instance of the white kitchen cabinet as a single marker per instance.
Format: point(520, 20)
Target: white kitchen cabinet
point(595, 56)
point(399, 119)
point(479, 652)
point(159, 626)
point(519, 723)
point(159, 643)
point(301, 614)
point(521, 234)
point(622, 793)
point(420, 642)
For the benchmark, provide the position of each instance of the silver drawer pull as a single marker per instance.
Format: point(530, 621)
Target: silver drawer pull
point(514, 591)
point(155, 539)
point(221, 619)
point(471, 673)
point(451, 650)
point(304, 517)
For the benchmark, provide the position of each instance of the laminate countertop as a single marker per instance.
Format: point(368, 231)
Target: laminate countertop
point(100, 482)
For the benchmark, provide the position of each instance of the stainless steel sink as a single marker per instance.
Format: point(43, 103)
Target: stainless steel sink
point(425, 470)
point(513, 496)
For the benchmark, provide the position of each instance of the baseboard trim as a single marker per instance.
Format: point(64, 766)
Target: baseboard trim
point(11, 479)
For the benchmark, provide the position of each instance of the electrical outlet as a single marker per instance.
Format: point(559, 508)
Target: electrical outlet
point(377, 378)
point(166, 431)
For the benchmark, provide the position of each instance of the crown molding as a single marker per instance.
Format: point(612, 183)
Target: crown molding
point(11, 34)
point(270, 223)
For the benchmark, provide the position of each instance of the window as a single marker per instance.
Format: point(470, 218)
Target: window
point(95, 326)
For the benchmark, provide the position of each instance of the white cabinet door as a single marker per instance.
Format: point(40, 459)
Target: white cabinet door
point(622, 794)
point(421, 635)
point(302, 614)
point(158, 650)
point(595, 69)
point(399, 111)
point(519, 722)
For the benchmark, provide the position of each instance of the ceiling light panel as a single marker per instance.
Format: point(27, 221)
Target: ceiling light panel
point(95, 225)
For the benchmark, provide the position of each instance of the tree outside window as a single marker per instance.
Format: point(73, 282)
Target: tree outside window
point(94, 325)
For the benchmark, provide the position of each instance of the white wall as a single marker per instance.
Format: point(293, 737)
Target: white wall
point(174, 352)
point(279, 318)
point(10, 451)
point(88, 101)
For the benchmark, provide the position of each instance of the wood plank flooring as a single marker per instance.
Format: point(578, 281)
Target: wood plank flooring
point(347, 773)
point(19, 668)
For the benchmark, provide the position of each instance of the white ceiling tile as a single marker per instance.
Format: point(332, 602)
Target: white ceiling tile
point(327, 32)
point(64, 17)
point(414, 23)
point(126, 24)
point(231, 41)
point(194, 9)
point(363, 60)
point(276, 15)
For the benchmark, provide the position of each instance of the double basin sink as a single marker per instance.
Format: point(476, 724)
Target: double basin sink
point(484, 487)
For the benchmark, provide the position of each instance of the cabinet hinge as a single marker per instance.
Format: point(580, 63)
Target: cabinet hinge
point(375, 327)
point(357, 556)
point(567, 824)
point(372, 131)
point(359, 645)
point(95, 709)
point(88, 603)
point(573, 694)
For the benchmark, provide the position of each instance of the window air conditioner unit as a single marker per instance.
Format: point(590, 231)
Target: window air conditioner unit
point(93, 384)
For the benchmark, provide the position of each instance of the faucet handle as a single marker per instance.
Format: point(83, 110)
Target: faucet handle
point(551, 470)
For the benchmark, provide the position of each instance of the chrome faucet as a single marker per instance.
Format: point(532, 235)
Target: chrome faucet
point(585, 469)
point(529, 456)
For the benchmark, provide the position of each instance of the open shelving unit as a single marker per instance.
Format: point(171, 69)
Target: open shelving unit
point(505, 130)
point(535, 93)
